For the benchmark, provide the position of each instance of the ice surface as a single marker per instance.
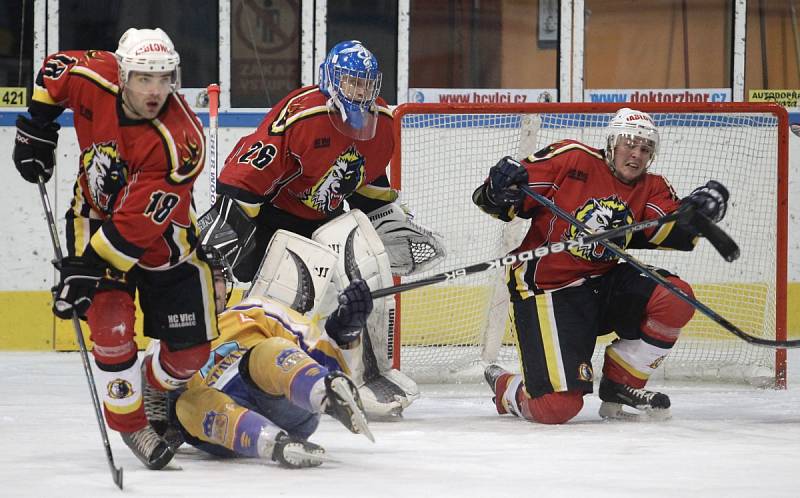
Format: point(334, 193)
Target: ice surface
point(723, 440)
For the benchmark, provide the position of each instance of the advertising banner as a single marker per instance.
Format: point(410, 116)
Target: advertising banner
point(665, 95)
point(786, 98)
point(482, 95)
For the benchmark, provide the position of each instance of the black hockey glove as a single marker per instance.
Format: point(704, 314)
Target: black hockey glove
point(227, 234)
point(35, 149)
point(710, 200)
point(505, 177)
point(355, 304)
point(75, 290)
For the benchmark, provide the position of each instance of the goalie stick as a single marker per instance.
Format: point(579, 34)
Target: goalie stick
point(724, 323)
point(539, 252)
point(116, 473)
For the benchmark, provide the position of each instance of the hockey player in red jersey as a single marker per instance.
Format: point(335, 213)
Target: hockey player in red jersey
point(131, 224)
point(318, 151)
point(563, 301)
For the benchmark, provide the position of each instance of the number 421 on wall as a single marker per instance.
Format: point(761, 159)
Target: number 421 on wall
point(11, 96)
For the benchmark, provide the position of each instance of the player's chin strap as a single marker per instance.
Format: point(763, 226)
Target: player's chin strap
point(411, 247)
point(645, 270)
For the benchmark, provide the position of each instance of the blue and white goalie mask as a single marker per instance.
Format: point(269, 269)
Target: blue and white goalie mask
point(351, 80)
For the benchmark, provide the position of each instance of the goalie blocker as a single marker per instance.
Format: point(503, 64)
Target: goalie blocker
point(308, 276)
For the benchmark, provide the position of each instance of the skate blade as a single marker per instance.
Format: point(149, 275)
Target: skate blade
point(358, 420)
point(616, 411)
point(312, 459)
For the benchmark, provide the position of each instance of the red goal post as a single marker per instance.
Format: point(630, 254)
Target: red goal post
point(443, 151)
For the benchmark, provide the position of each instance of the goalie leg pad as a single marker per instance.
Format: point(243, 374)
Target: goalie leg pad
point(362, 255)
point(295, 271)
point(411, 247)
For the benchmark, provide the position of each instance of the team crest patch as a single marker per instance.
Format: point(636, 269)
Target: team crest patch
point(341, 179)
point(215, 426)
point(600, 215)
point(288, 358)
point(585, 372)
point(106, 173)
point(119, 389)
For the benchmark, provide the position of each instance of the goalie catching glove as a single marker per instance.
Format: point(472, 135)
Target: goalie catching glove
point(411, 247)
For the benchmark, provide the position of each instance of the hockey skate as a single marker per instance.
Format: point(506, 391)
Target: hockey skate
point(156, 408)
point(497, 377)
point(343, 403)
point(290, 452)
point(649, 405)
point(492, 373)
point(149, 447)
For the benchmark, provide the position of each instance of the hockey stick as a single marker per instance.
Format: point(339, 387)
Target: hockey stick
point(641, 267)
point(213, 130)
point(721, 241)
point(116, 473)
point(530, 254)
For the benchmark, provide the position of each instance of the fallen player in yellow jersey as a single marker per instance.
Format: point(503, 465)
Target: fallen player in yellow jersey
point(271, 375)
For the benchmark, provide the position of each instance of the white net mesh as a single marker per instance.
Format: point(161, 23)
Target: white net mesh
point(448, 331)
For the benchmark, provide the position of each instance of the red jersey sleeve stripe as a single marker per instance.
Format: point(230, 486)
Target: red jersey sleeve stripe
point(95, 78)
point(110, 245)
point(566, 148)
point(281, 125)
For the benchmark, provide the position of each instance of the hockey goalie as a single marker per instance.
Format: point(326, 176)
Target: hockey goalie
point(322, 150)
point(358, 241)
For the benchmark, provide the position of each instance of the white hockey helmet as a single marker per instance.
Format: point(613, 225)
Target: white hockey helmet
point(631, 124)
point(147, 51)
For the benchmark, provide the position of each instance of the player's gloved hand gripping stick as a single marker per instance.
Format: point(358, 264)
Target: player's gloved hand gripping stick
point(729, 251)
point(680, 215)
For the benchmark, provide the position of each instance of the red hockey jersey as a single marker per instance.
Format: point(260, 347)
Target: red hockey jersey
point(297, 161)
point(577, 178)
point(152, 221)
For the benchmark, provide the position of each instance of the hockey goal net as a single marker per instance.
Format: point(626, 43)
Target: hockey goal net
point(448, 332)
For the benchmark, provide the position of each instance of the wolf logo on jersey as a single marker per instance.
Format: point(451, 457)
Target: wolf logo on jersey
point(600, 215)
point(342, 179)
point(106, 173)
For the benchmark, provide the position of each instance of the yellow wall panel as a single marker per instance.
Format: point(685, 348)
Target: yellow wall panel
point(26, 322)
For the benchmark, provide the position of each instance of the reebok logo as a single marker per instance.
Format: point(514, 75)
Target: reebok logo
point(322, 142)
